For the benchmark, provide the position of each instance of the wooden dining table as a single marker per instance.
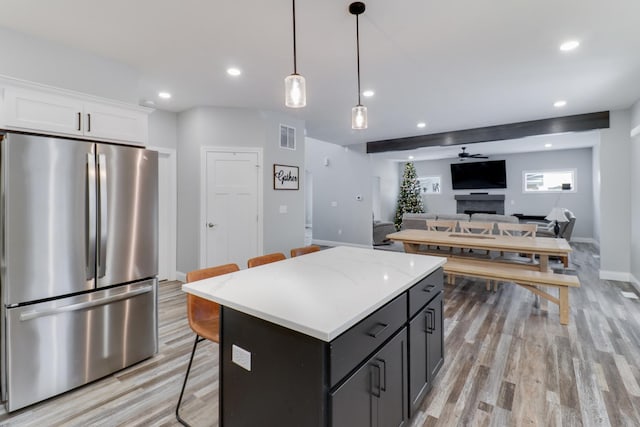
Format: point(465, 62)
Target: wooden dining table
point(544, 247)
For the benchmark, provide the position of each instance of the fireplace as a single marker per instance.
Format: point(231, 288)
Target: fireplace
point(471, 212)
point(480, 203)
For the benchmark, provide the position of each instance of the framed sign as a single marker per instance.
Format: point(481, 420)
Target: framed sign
point(430, 185)
point(285, 177)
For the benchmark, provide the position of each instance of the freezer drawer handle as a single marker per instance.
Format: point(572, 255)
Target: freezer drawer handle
point(30, 315)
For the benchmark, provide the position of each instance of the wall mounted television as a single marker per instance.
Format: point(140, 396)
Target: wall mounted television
point(477, 175)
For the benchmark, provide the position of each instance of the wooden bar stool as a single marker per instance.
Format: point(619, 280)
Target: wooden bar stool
point(204, 318)
point(266, 259)
point(304, 250)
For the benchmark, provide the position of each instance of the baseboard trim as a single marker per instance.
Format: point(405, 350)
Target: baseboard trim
point(332, 243)
point(181, 276)
point(615, 275)
point(635, 282)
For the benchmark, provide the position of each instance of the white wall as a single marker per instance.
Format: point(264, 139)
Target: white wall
point(595, 179)
point(29, 58)
point(635, 195)
point(615, 200)
point(390, 178)
point(163, 129)
point(347, 175)
point(233, 127)
point(282, 231)
point(580, 202)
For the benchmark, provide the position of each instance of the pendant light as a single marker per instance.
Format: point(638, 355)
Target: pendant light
point(295, 93)
point(359, 112)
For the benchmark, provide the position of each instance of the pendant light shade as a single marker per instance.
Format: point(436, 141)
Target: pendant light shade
point(359, 112)
point(295, 91)
point(359, 117)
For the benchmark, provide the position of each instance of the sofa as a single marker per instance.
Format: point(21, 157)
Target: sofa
point(566, 228)
point(380, 231)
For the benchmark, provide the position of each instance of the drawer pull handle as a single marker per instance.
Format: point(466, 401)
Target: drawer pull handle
point(377, 329)
point(429, 288)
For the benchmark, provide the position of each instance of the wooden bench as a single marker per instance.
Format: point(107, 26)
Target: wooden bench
point(526, 278)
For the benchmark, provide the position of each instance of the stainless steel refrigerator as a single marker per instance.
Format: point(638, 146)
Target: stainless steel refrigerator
point(78, 262)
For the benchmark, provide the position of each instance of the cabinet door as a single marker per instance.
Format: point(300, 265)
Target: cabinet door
point(43, 112)
point(376, 394)
point(418, 371)
point(435, 337)
point(354, 404)
point(427, 351)
point(102, 121)
point(392, 362)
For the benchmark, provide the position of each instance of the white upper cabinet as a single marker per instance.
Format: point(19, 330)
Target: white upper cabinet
point(53, 111)
point(30, 110)
point(114, 123)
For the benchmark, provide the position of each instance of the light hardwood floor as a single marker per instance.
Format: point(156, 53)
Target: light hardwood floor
point(506, 363)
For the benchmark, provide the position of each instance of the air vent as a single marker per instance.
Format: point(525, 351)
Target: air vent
point(287, 137)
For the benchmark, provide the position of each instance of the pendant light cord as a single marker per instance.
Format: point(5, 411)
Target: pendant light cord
point(358, 54)
point(295, 69)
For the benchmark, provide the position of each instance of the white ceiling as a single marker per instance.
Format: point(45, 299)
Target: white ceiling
point(455, 65)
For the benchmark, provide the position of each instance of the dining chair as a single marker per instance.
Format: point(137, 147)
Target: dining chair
point(520, 230)
point(204, 318)
point(477, 227)
point(304, 250)
point(516, 230)
point(265, 259)
point(441, 225)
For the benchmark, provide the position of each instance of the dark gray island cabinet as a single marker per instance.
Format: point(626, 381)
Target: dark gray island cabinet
point(371, 370)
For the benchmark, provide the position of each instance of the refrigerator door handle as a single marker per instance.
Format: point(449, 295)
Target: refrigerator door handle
point(91, 210)
point(34, 314)
point(102, 185)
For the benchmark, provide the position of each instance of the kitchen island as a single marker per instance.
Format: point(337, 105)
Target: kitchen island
point(341, 337)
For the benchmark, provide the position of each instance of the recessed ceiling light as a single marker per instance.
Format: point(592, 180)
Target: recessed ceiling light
point(234, 71)
point(368, 93)
point(422, 125)
point(164, 95)
point(411, 157)
point(559, 104)
point(569, 45)
point(548, 145)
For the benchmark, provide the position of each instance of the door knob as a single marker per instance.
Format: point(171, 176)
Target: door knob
point(211, 225)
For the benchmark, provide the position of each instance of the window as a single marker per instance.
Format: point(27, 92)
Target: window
point(430, 185)
point(549, 181)
point(287, 137)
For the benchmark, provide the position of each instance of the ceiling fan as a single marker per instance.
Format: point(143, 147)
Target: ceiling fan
point(464, 155)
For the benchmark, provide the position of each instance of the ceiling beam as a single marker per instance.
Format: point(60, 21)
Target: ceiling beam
point(577, 123)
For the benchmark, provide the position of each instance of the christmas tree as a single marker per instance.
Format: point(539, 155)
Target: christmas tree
point(409, 200)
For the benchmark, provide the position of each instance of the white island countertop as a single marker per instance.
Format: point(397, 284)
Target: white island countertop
point(321, 294)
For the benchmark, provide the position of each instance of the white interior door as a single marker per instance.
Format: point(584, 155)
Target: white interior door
point(232, 209)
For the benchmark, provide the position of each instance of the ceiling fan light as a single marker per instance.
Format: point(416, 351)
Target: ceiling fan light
point(359, 117)
point(295, 91)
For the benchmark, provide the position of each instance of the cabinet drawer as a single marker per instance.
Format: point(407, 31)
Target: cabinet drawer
point(352, 347)
point(423, 291)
